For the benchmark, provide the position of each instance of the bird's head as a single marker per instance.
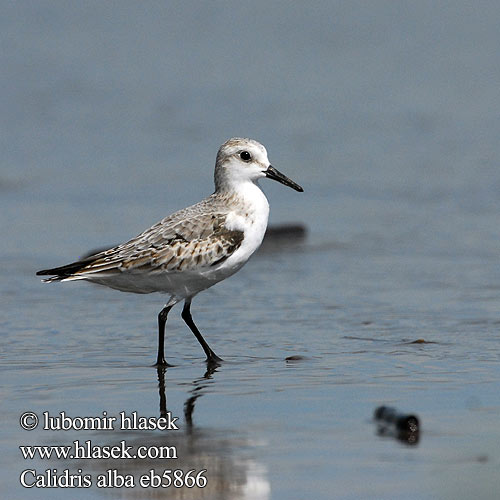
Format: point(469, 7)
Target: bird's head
point(242, 160)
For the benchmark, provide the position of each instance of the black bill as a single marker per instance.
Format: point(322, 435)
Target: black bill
point(272, 173)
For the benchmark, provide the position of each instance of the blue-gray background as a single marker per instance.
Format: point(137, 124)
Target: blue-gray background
point(388, 113)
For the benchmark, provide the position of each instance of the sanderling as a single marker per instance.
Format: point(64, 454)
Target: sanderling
point(194, 248)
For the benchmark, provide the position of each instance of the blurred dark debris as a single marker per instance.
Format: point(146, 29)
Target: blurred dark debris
point(295, 358)
point(279, 236)
point(421, 341)
point(404, 427)
point(283, 235)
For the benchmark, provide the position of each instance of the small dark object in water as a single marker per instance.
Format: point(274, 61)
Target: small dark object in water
point(284, 235)
point(295, 357)
point(402, 421)
point(403, 426)
point(285, 231)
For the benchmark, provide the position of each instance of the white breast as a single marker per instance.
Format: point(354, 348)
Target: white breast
point(250, 215)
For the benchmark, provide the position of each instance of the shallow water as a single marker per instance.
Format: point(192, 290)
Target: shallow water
point(387, 115)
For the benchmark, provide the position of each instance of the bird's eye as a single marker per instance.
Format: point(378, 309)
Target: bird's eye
point(245, 156)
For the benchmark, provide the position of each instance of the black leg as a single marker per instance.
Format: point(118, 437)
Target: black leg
point(186, 316)
point(162, 320)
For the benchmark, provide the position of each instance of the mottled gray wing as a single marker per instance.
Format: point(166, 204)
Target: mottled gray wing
point(189, 239)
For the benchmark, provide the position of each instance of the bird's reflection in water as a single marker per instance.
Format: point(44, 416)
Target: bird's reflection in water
point(199, 385)
point(230, 473)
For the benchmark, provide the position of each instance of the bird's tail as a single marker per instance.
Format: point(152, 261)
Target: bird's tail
point(67, 271)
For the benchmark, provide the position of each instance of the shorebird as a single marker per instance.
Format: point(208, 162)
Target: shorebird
point(194, 248)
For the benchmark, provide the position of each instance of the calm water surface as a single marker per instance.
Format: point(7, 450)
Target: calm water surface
point(387, 115)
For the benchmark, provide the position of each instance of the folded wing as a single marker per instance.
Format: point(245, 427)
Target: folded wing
point(187, 240)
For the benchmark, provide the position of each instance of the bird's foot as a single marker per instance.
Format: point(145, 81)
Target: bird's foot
point(213, 359)
point(161, 363)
